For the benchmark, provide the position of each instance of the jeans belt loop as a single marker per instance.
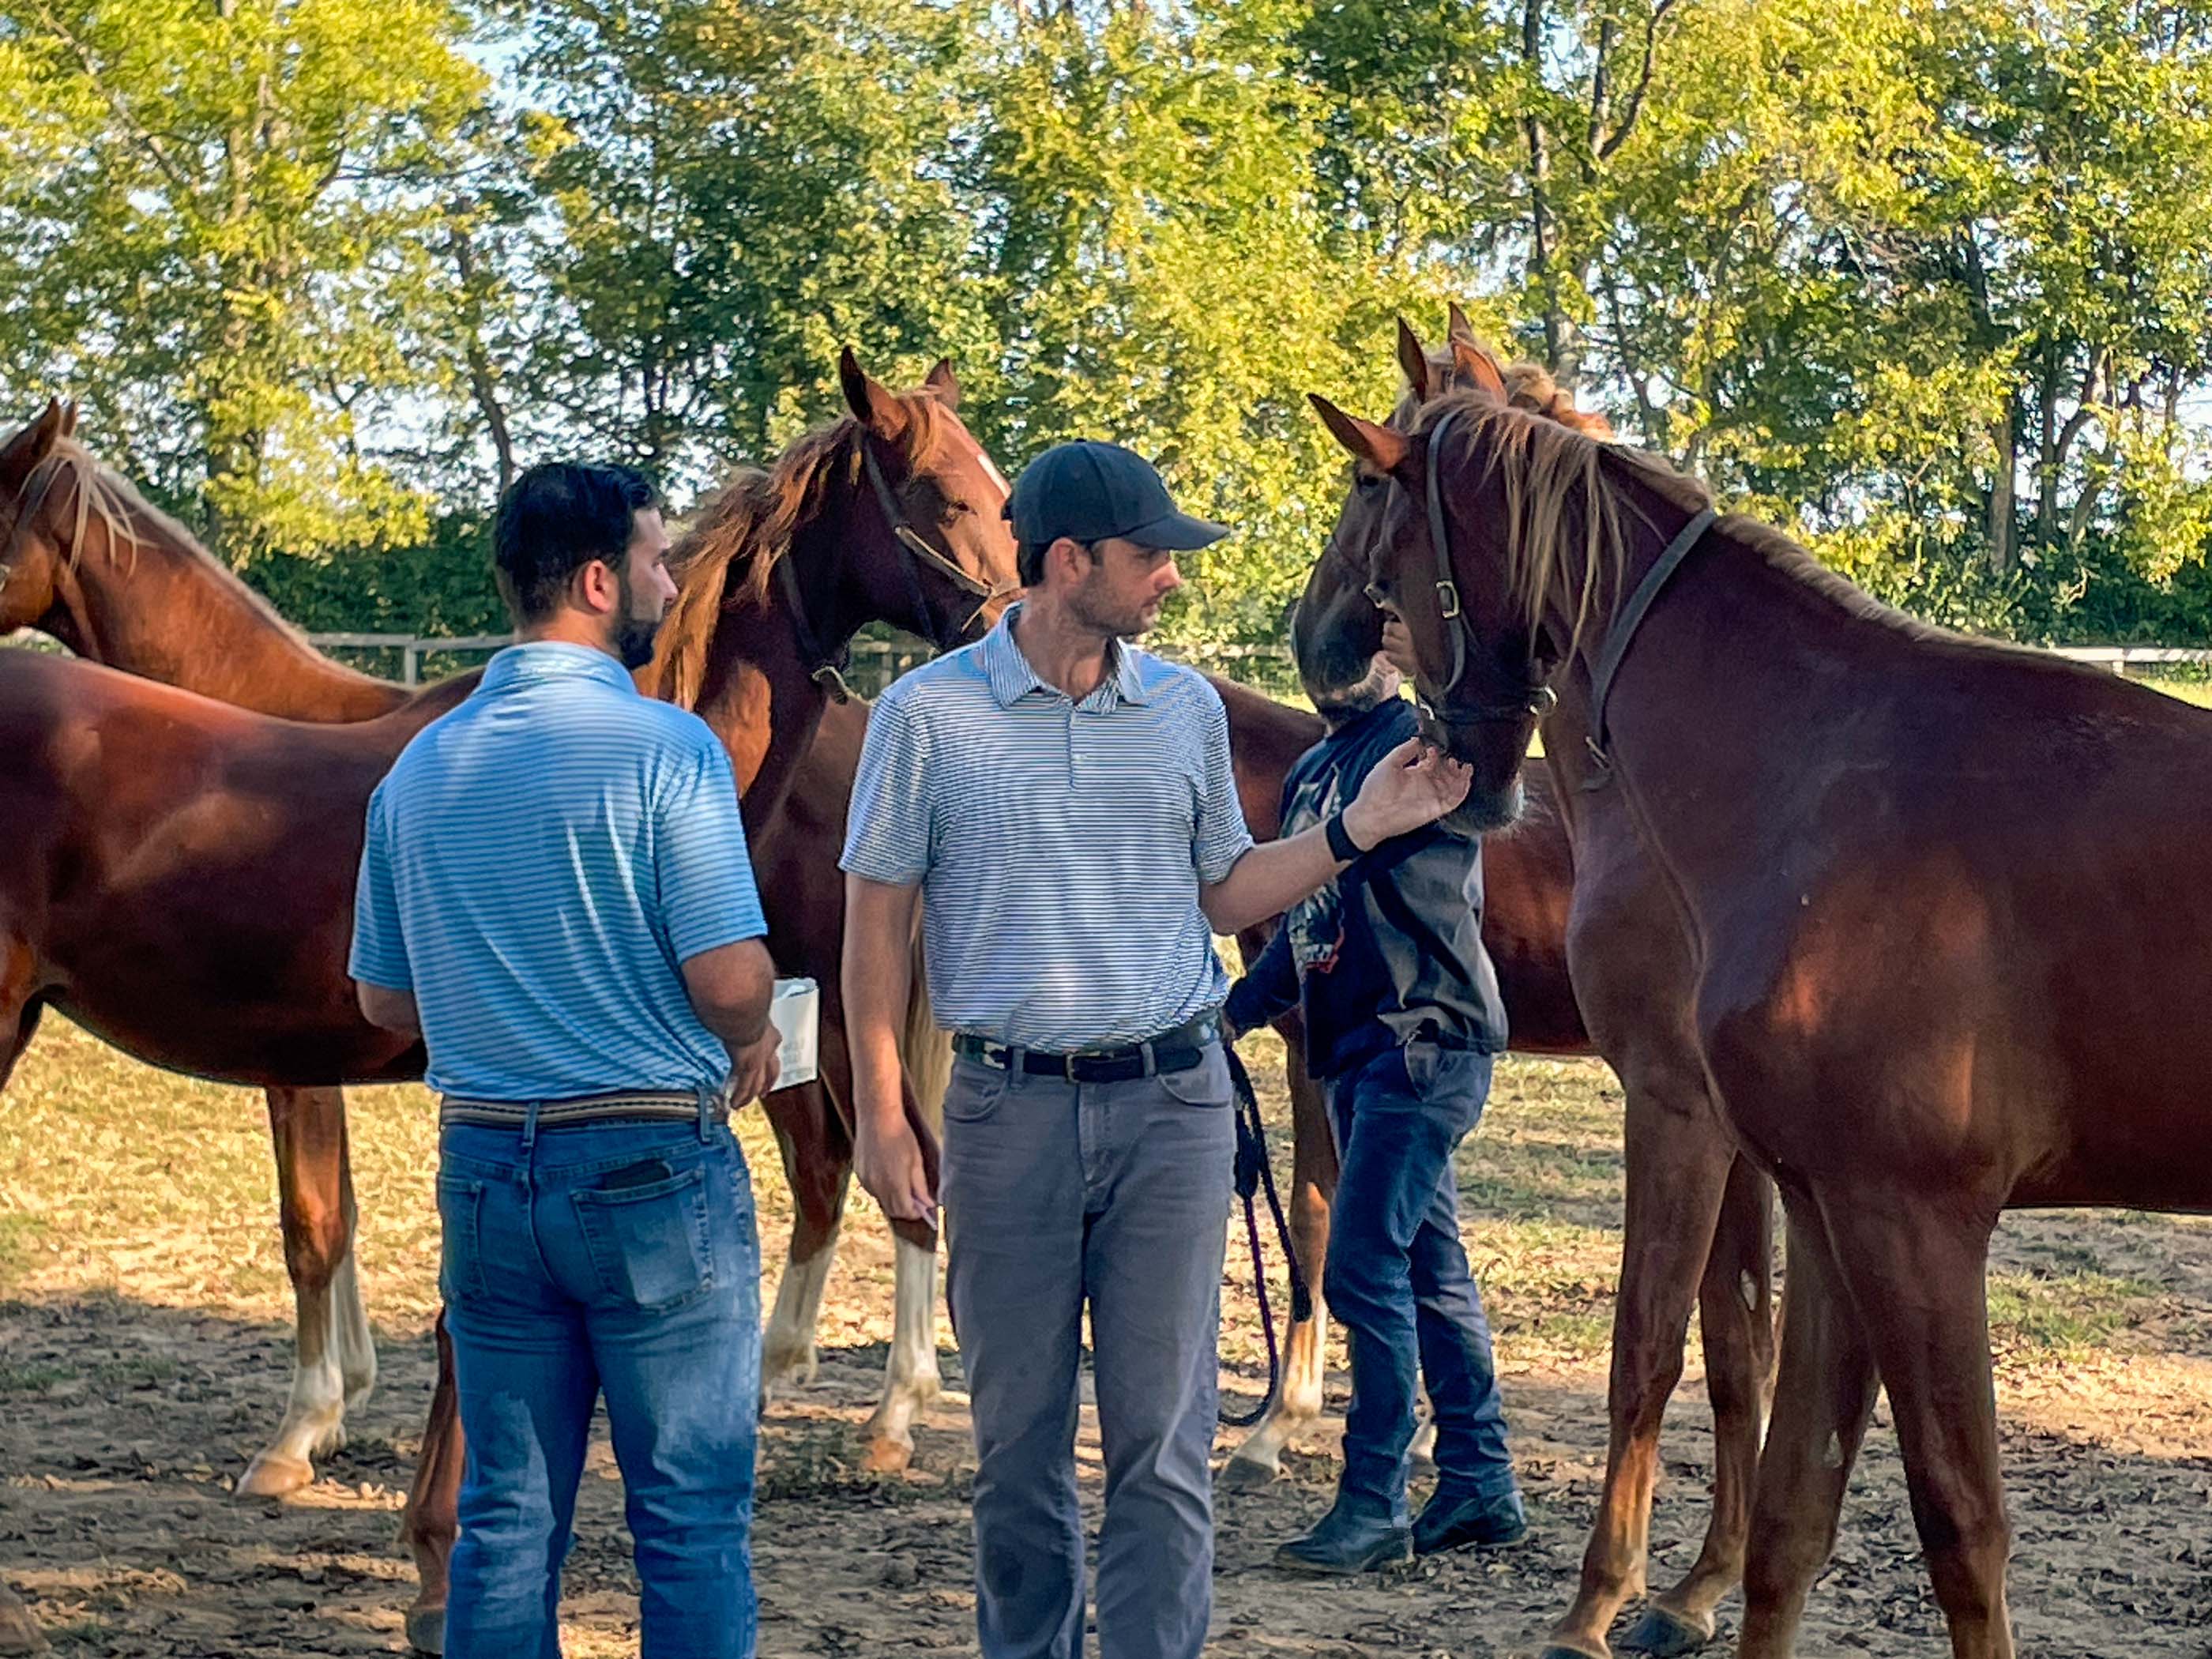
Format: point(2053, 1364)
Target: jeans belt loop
point(529, 1127)
point(1015, 1056)
point(1152, 1061)
point(706, 1115)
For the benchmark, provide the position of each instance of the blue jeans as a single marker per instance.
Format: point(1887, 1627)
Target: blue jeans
point(619, 1257)
point(1397, 1278)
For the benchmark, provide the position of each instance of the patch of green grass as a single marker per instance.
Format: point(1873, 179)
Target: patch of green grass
point(35, 1378)
point(2067, 1310)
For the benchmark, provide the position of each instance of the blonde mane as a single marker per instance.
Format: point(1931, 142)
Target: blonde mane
point(100, 495)
point(1567, 527)
point(729, 553)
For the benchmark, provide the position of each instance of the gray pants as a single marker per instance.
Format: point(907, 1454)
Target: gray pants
point(1116, 1194)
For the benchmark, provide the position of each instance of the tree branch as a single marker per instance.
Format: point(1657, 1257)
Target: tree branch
point(1635, 107)
point(175, 175)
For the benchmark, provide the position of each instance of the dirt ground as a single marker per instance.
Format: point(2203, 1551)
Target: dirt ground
point(145, 1338)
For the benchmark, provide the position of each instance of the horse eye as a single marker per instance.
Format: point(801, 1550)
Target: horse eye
point(953, 509)
point(1366, 482)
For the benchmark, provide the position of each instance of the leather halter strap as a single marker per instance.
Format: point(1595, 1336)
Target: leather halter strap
point(826, 667)
point(1537, 700)
point(1630, 618)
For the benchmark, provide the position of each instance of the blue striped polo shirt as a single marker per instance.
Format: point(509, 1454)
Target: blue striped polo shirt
point(1059, 845)
point(539, 862)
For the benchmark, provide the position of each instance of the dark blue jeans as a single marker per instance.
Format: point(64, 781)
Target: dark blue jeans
point(1397, 1278)
point(614, 1257)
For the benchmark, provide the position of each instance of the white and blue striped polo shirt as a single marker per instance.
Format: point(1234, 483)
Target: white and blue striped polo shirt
point(539, 862)
point(1060, 845)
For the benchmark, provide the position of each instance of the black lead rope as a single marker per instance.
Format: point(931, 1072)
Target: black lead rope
point(1255, 1175)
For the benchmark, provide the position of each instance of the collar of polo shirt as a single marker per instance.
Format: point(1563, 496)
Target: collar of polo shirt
point(545, 659)
point(1012, 678)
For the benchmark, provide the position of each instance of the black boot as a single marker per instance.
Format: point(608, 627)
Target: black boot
point(1346, 1543)
point(1453, 1520)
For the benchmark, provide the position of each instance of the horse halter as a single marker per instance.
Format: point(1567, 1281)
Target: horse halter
point(1538, 700)
point(827, 668)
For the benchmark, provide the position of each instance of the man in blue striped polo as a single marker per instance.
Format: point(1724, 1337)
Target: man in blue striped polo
point(555, 892)
point(1062, 806)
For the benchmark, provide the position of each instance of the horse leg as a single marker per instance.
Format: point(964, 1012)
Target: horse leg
point(1678, 1159)
point(1735, 1303)
point(334, 1356)
point(818, 1164)
point(431, 1521)
point(1918, 1272)
point(19, 1019)
point(1297, 1404)
point(1822, 1401)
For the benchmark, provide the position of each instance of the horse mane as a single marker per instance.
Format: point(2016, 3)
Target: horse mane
point(101, 494)
point(728, 554)
point(1554, 457)
point(1554, 477)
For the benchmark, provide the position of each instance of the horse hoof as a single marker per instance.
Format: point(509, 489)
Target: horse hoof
point(271, 1475)
point(1248, 1474)
point(19, 1631)
point(426, 1630)
point(1667, 1635)
point(787, 1374)
point(886, 1455)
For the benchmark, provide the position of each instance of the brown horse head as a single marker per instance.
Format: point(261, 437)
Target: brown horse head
point(52, 493)
point(1534, 535)
point(890, 514)
point(1337, 627)
point(1339, 622)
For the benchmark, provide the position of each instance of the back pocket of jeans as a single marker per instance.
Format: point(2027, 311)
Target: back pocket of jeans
point(651, 1246)
point(460, 1253)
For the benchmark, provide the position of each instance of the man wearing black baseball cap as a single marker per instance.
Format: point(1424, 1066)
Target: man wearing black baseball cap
point(1063, 806)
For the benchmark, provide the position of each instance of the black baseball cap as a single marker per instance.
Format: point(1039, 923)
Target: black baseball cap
point(1088, 491)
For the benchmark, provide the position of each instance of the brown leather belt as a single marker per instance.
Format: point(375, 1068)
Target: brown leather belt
point(624, 1106)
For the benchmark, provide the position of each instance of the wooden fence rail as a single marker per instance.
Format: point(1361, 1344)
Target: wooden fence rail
point(876, 663)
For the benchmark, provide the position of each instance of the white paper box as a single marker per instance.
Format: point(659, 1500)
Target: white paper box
point(796, 1012)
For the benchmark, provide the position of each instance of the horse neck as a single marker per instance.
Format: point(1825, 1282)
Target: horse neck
point(1715, 706)
point(165, 611)
point(760, 695)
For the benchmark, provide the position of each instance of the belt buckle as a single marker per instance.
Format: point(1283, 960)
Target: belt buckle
point(1067, 1065)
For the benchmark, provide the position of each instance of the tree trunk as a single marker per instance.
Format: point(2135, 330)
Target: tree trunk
point(2003, 530)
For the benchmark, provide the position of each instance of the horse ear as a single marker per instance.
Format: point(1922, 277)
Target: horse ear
point(1478, 369)
point(945, 383)
point(1414, 360)
point(873, 404)
point(35, 441)
point(68, 419)
point(1377, 445)
point(1460, 328)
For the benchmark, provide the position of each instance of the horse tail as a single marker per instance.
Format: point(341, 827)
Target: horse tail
point(926, 1051)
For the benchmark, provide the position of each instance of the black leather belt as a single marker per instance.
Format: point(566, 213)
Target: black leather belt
point(1177, 1050)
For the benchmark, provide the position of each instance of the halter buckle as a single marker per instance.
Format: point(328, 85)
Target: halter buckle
point(1448, 596)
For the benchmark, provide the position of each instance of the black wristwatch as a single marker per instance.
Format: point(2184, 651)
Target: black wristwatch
point(1341, 843)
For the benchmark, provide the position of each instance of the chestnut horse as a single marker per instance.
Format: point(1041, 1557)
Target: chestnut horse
point(1947, 907)
point(167, 610)
point(848, 517)
point(1699, 1221)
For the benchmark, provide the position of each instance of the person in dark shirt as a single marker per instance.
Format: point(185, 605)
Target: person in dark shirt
point(1402, 1018)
